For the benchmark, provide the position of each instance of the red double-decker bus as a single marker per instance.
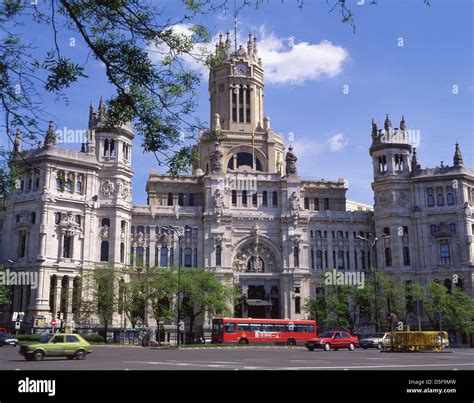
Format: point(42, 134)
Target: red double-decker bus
point(245, 331)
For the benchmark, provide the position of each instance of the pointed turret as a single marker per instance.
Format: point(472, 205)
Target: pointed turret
point(101, 109)
point(402, 123)
point(457, 159)
point(50, 138)
point(374, 128)
point(387, 124)
point(415, 166)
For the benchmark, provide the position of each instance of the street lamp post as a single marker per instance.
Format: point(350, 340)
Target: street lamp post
point(374, 251)
point(179, 232)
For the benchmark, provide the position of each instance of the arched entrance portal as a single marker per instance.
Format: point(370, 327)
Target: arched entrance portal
point(257, 276)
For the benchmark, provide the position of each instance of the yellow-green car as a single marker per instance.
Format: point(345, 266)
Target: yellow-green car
point(56, 345)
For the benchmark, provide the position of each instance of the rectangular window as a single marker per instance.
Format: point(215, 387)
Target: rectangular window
point(296, 255)
point(67, 246)
point(195, 257)
point(319, 259)
point(312, 258)
point(388, 257)
point(326, 204)
point(188, 257)
point(452, 227)
point(234, 106)
point(297, 305)
point(180, 199)
point(22, 244)
point(444, 252)
point(316, 204)
point(406, 256)
point(218, 256)
point(164, 257)
point(191, 200)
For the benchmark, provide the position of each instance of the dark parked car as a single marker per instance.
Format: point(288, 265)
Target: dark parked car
point(7, 340)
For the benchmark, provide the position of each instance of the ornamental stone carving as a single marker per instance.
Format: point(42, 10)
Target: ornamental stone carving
point(68, 225)
point(402, 199)
point(104, 232)
point(217, 156)
point(384, 199)
point(107, 188)
point(295, 206)
point(218, 201)
point(254, 258)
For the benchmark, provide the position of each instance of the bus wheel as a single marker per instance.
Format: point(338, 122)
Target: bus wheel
point(291, 342)
point(243, 341)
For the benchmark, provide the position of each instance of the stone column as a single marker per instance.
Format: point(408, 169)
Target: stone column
point(70, 290)
point(57, 295)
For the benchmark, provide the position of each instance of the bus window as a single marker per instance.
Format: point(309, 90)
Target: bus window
point(255, 327)
point(243, 327)
point(311, 328)
point(301, 328)
point(267, 327)
point(280, 328)
point(230, 327)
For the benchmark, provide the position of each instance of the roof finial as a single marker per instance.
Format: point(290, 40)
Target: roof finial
point(235, 28)
point(388, 123)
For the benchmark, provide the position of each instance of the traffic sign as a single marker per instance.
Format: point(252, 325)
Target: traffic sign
point(53, 323)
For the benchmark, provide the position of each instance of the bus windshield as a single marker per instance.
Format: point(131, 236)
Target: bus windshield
point(217, 326)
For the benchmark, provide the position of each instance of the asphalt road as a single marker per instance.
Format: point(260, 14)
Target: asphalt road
point(243, 358)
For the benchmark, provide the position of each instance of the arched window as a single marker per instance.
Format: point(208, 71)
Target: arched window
point(382, 164)
point(170, 199)
point(319, 259)
point(430, 200)
point(275, 199)
point(245, 160)
point(140, 256)
point(450, 199)
point(104, 251)
point(140, 229)
point(265, 198)
point(79, 187)
point(57, 218)
point(69, 185)
point(399, 162)
point(440, 199)
point(112, 148)
point(106, 147)
point(106, 221)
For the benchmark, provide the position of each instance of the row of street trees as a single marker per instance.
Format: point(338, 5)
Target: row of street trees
point(133, 293)
point(350, 307)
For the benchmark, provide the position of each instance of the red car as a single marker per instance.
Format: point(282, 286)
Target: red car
point(334, 339)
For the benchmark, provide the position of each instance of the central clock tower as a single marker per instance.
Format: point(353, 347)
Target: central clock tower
point(236, 88)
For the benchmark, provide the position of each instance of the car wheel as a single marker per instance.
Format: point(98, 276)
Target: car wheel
point(38, 355)
point(80, 355)
point(291, 342)
point(310, 348)
point(352, 347)
point(243, 341)
point(379, 346)
point(327, 347)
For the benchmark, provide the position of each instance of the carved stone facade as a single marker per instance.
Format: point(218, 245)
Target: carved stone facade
point(244, 211)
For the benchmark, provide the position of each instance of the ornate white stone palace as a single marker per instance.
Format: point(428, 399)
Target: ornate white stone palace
point(247, 214)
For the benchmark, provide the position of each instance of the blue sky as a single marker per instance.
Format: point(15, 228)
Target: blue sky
point(324, 56)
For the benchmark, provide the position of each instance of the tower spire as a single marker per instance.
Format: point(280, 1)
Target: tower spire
point(50, 139)
point(17, 144)
point(235, 28)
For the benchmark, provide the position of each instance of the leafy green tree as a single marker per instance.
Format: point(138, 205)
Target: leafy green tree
point(161, 285)
point(455, 306)
point(202, 293)
point(99, 299)
point(5, 290)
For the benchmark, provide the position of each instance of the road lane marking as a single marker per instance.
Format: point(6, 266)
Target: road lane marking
point(382, 366)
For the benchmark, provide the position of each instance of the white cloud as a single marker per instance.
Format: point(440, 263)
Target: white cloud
point(337, 142)
point(285, 60)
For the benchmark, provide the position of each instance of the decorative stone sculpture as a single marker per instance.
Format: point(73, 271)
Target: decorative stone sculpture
point(291, 162)
point(219, 204)
point(217, 155)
